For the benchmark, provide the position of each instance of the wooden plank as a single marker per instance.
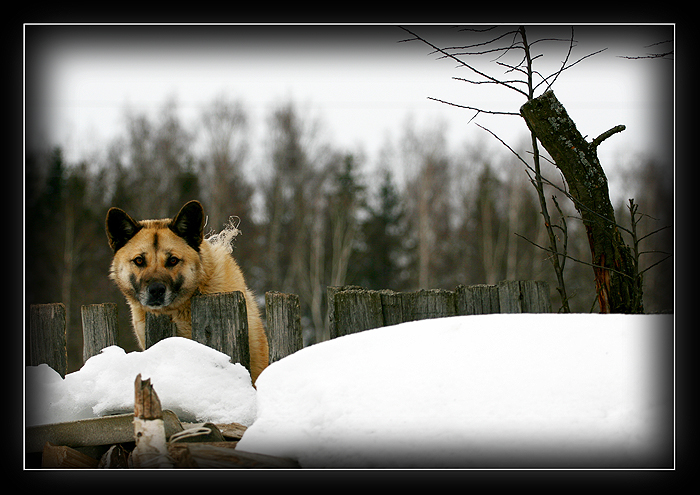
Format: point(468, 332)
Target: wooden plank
point(510, 297)
point(331, 291)
point(355, 311)
point(535, 296)
point(221, 455)
point(392, 307)
point(524, 296)
point(220, 321)
point(100, 328)
point(60, 456)
point(430, 303)
point(106, 430)
point(158, 327)
point(283, 315)
point(47, 336)
point(476, 299)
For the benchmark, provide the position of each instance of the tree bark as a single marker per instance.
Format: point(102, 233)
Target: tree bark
point(577, 159)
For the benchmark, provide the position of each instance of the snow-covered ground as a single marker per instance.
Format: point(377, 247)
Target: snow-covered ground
point(473, 391)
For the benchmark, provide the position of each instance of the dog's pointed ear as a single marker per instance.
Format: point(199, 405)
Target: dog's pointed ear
point(189, 224)
point(120, 228)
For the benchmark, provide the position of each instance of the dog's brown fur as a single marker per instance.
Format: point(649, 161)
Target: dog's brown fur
point(160, 264)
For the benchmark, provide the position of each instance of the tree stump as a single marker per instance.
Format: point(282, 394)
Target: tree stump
point(613, 265)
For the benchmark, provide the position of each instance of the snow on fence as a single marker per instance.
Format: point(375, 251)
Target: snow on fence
point(220, 320)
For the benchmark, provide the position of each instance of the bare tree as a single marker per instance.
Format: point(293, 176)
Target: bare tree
point(226, 138)
point(515, 54)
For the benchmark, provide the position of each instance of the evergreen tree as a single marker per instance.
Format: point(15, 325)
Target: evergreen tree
point(381, 258)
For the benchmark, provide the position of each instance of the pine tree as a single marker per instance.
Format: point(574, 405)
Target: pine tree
point(381, 258)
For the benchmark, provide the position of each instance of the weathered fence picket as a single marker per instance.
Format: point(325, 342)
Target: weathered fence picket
point(283, 315)
point(47, 336)
point(100, 328)
point(158, 327)
point(220, 321)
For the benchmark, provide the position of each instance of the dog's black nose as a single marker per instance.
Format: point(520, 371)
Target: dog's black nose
point(156, 294)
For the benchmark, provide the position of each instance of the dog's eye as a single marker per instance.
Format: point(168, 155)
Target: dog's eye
point(172, 261)
point(139, 261)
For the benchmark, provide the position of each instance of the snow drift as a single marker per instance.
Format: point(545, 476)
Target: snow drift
point(196, 382)
point(475, 391)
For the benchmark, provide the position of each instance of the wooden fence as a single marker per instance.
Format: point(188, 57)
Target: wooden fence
point(220, 320)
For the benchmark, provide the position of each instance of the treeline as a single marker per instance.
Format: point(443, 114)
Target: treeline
point(417, 216)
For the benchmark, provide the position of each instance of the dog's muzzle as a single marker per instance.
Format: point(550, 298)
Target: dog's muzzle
point(155, 294)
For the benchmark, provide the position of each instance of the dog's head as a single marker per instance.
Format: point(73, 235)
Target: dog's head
point(156, 262)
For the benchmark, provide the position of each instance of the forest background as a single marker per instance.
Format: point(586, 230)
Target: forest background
point(422, 213)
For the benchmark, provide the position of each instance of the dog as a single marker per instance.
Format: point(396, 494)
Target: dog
point(160, 264)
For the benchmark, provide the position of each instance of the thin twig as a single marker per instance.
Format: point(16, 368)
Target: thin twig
point(473, 108)
point(460, 62)
point(575, 259)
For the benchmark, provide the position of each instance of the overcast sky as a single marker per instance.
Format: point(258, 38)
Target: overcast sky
point(358, 81)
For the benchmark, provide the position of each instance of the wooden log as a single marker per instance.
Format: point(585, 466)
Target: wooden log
point(355, 311)
point(60, 456)
point(158, 327)
point(151, 449)
point(283, 315)
point(47, 336)
point(220, 321)
point(476, 300)
point(100, 328)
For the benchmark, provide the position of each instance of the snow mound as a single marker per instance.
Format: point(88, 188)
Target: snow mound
point(194, 381)
point(474, 391)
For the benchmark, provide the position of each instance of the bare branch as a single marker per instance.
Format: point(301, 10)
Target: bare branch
point(652, 266)
point(654, 232)
point(549, 250)
point(512, 81)
point(607, 134)
point(460, 62)
point(473, 108)
point(566, 59)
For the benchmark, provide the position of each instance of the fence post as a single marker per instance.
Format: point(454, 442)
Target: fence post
point(392, 307)
point(99, 328)
point(158, 327)
point(426, 304)
point(477, 300)
point(331, 291)
point(283, 316)
point(526, 296)
point(355, 310)
point(47, 336)
point(220, 321)
point(535, 296)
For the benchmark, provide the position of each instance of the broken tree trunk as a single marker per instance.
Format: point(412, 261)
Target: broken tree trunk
point(613, 264)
